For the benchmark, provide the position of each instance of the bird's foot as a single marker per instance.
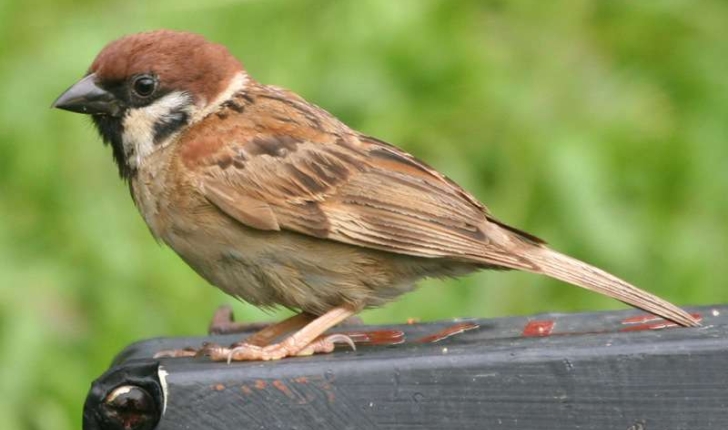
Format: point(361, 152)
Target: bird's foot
point(323, 344)
point(307, 340)
point(288, 348)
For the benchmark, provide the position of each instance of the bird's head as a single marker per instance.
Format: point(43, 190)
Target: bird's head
point(143, 89)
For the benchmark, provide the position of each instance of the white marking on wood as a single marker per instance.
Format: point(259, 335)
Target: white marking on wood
point(165, 389)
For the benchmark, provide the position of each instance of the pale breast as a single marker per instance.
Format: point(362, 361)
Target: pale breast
point(150, 188)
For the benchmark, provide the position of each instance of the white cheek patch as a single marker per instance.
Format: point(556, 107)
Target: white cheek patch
point(139, 124)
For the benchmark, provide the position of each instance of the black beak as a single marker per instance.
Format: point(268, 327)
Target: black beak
point(87, 97)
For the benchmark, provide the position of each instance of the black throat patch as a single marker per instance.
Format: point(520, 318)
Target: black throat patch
point(111, 131)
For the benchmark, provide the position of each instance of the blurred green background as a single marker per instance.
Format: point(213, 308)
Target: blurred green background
point(599, 126)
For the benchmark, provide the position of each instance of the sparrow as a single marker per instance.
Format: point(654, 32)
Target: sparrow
point(278, 203)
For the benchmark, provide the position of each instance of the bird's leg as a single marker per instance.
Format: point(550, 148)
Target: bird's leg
point(263, 337)
point(272, 331)
point(306, 341)
point(223, 322)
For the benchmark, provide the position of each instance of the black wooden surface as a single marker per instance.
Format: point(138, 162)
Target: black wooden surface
point(615, 370)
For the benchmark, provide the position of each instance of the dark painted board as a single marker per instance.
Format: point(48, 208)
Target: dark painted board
point(613, 370)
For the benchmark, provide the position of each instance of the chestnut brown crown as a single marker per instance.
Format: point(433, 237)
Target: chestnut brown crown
point(180, 60)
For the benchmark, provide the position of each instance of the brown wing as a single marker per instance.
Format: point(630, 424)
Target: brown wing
point(349, 188)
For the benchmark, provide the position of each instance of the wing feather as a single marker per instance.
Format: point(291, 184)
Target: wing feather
point(349, 188)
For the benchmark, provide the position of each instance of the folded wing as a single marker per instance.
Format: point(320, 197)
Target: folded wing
point(356, 190)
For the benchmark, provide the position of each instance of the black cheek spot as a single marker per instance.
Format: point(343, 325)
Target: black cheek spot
point(169, 125)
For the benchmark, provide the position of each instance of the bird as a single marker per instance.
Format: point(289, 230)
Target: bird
point(277, 202)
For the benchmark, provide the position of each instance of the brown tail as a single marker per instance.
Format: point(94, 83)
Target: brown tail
point(573, 271)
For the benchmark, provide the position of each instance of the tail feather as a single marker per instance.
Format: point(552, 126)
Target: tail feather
point(573, 271)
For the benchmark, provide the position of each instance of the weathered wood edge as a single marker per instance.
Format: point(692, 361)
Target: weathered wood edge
point(588, 371)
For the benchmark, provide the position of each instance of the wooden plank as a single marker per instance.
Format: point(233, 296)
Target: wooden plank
point(612, 370)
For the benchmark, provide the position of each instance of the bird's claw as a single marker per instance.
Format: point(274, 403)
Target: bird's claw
point(247, 352)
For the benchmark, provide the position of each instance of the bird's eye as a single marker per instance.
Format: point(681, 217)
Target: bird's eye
point(144, 85)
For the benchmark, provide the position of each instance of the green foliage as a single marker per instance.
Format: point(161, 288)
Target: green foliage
point(600, 126)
